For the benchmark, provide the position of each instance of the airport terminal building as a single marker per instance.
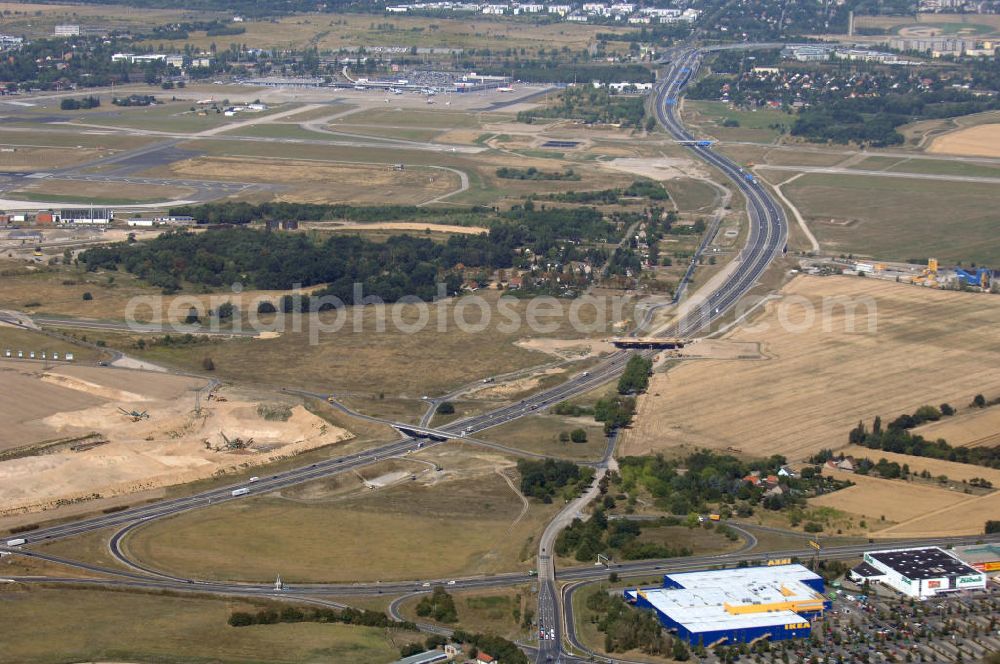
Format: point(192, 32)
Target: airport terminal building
point(919, 573)
point(736, 605)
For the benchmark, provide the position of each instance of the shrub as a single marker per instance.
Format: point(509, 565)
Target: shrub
point(813, 527)
point(274, 412)
point(87, 297)
point(207, 364)
point(445, 408)
point(578, 436)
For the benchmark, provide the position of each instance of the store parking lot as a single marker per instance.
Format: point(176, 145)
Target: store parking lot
point(887, 627)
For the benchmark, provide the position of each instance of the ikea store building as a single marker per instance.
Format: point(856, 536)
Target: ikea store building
point(736, 605)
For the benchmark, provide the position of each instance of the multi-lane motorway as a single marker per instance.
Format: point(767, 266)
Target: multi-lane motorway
point(765, 240)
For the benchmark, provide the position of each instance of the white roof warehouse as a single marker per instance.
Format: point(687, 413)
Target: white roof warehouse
point(736, 605)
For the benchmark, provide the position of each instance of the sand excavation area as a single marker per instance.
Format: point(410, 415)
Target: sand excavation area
point(817, 379)
point(49, 412)
point(979, 141)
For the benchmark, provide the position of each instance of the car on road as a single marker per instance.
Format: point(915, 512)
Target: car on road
point(425, 585)
point(451, 583)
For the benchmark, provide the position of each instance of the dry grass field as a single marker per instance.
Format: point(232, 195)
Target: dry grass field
point(896, 219)
point(107, 193)
point(970, 428)
point(464, 519)
point(980, 141)
point(39, 159)
point(484, 612)
point(817, 383)
point(540, 434)
point(326, 31)
point(92, 625)
point(359, 358)
point(318, 182)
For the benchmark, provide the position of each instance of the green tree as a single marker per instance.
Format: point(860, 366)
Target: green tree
point(578, 436)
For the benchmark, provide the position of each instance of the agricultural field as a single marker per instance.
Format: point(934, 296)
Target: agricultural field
point(470, 519)
point(971, 428)
point(75, 625)
point(956, 472)
point(899, 219)
point(819, 377)
point(898, 508)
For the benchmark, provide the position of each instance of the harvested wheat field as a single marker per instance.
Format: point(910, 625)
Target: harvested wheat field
point(927, 346)
point(979, 141)
point(172, 445)
point(967, 517)
point(899, 501)
point(971, 428)
point(936, 467)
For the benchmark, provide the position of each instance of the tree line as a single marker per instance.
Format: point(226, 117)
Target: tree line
point(896, 438)
point(293, 614)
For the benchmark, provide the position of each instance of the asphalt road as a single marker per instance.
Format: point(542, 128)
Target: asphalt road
point(765, 240)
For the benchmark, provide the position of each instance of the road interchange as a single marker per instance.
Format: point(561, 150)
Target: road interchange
point(765, 240)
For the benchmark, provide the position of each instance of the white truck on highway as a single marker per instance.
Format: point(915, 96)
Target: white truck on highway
point(241, 491)
point(16, 542)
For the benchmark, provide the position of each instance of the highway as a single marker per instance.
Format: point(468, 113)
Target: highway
point(765, 240)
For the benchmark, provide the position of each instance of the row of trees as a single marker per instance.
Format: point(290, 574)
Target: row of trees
point(899, 440)
point(241, 212)
point(648, 189)
point(635, 378)
point(532, 173)
point(292, 614)
point(70, 104)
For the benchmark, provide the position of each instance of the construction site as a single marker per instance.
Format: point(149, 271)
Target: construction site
point(77, 433)
point(929, 275)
